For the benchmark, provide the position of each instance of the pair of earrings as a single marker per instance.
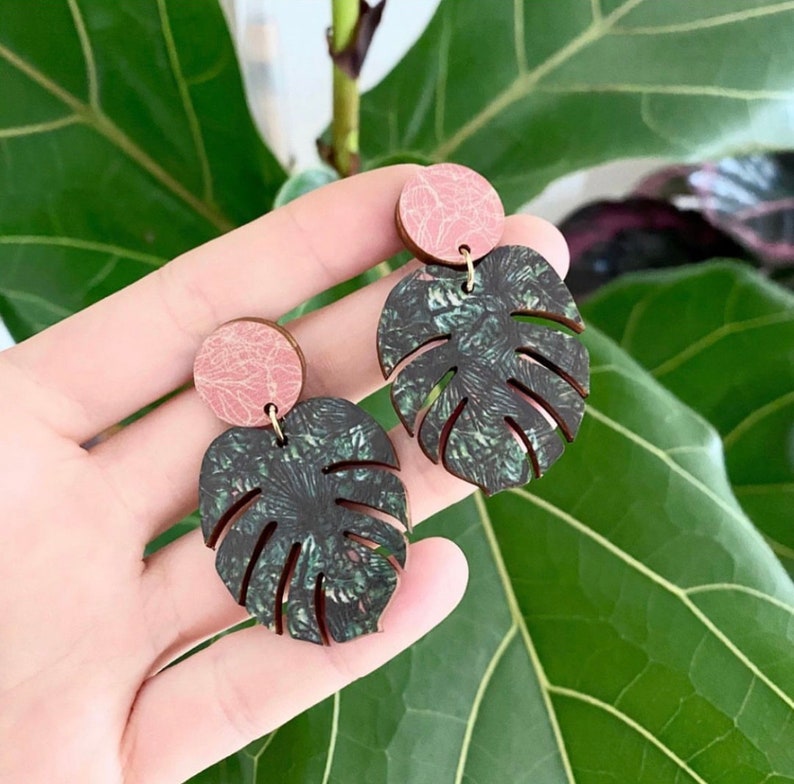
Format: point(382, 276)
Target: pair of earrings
point(294, 494)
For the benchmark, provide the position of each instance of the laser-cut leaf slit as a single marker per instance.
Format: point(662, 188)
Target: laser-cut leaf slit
point(345, 465)
point(334, 450)
point(235, 510)
point(379, 533)
point(541, 404)
point(282, 592)
point(427, 403)
point(319, 609)
point(522, 437)
point(418, 380)
point(497, 359)
point(574, 324)
point(368, 510)
point(379, 550)
point(568, 358)
point(267, 532)
point(428, 345)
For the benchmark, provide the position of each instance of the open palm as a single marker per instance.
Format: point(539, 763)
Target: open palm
point(88, 624)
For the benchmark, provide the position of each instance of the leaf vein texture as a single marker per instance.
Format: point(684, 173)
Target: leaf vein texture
point(105, 127)
point(187, 102)
point(673, 589)
point(629, 722)
point(88, 54)
point(478, 698)
point(765, 597)
point(329, 760)
point(736, 327)
point(520, 621)
point(710, 21)
point(42, 127)
point(524, 83)
point(80, 244)
point(752, 419)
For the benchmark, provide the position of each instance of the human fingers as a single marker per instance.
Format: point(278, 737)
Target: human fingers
point(191, 604)
point(154, 462)
point(110, 360)
point(180, 579)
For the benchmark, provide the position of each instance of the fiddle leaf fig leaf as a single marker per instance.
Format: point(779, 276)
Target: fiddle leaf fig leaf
point(720, 336)
point(530, 91)
point(126, 140)
point(497, 375)
point(303, 540)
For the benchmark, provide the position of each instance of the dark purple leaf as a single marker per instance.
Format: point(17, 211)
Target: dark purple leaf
point(609, 238)
point(752, 199)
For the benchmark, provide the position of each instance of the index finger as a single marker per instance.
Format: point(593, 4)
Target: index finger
point(114, 358)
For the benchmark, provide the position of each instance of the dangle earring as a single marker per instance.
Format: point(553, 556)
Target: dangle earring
point(487, 381)
point(290, 494)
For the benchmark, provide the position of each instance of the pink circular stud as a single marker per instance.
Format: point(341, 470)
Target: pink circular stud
point(446, 207)
point(244, 365)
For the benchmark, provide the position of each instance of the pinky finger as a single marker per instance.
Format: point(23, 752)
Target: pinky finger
point(248, 683)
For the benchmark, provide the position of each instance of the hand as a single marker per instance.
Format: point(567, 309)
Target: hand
point(88, 625)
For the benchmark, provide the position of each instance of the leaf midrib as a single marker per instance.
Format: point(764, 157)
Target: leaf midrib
point(520, 622)
point(527, 81)
point(662, 582)
point(524, 82)
point(683, 595)
point(95, 118)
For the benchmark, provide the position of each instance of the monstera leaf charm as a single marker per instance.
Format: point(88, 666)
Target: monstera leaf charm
point(302, 542)
point(499, 378)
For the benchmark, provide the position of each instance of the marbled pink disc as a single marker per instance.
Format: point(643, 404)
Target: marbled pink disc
point(445, 206)
point(244, 365)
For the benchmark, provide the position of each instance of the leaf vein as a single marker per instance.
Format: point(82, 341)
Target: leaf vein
point(763, 489)
point(694, 90)
point(88, 54)
point(708, 22)
point(519, 36)
point(187, 102)
point(629, 722)
point(524, 83)
point(520, 621)
point(478, 698)
point(669, 462)
point(752, 419)
point(35, 299)
point(79, 244)
point(41, 127)
point(329, 760)
point(668, 586)
point(708, 340)
point(104, 126)
point(711, 587)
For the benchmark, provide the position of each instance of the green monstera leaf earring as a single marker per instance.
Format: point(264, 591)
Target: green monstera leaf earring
point(492, 383)
point(284, 496)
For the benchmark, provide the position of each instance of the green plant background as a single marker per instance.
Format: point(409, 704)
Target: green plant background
point(625, 621)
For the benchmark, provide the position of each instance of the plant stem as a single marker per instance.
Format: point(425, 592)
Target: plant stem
point(344, 127)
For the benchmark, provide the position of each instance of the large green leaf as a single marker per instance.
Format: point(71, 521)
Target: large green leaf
point(624, 623)
point(721, 337)
point(531, 89)
point(125, 140)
